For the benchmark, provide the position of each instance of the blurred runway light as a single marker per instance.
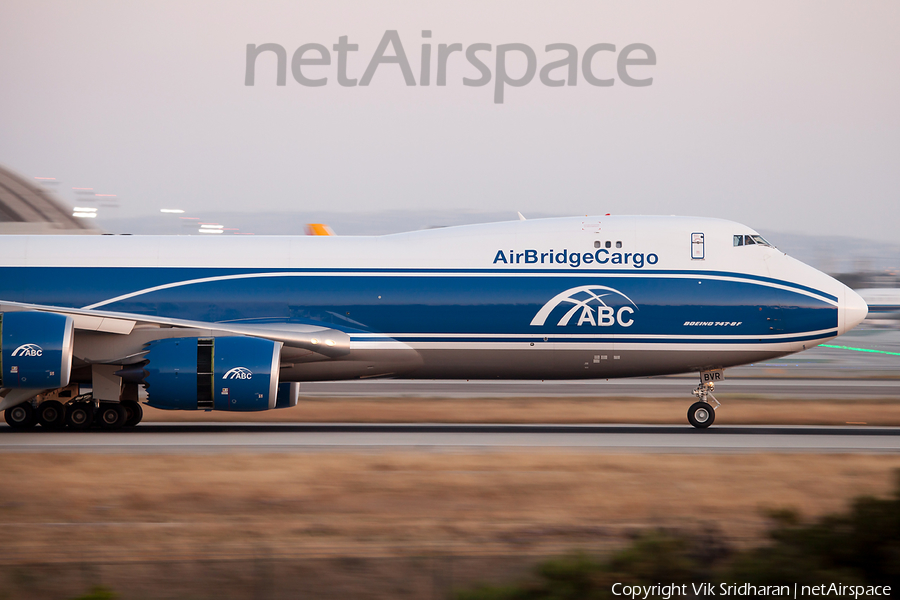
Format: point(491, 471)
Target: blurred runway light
point(860, 349)
point(171, 210)
point(84, 212)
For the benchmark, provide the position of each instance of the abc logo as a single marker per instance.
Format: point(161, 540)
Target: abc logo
point(238, 373)
point(28, 350)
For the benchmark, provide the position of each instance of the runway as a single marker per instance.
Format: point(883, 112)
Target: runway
point(152, 438)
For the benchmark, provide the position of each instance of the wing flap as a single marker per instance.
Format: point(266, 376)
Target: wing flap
point(102, 324)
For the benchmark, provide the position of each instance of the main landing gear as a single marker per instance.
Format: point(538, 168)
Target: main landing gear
point(80, 413)
point(51, 414)
point(21, 416)
point(702, 414)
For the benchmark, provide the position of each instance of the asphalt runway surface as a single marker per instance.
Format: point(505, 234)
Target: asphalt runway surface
point(215, 438)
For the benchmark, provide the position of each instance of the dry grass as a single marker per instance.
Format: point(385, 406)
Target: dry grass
point(104, 507)
point(735, 411)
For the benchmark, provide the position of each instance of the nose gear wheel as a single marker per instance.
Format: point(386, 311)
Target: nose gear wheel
point(702, 414)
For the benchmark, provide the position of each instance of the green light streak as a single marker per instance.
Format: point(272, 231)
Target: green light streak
point(860, 349)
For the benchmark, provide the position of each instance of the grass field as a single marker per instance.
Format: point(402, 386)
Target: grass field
point(112, 507)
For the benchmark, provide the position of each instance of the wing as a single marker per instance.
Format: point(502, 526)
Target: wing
point(120, 336)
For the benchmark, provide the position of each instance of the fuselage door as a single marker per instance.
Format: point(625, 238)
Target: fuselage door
point(698, 251)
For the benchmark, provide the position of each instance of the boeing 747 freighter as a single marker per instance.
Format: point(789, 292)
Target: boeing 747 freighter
point(234, 323)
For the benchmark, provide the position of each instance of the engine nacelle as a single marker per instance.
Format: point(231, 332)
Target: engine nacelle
point(223, 373)
point(35, 349)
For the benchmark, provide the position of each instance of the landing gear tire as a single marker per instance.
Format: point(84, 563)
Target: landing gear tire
point(701, 415)
point(21, 416)
point(51, 414)
point(111, 415)
point(80, 415)
point(133, 411)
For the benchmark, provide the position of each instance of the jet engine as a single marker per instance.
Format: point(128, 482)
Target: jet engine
point(35, 349)
point(221, 373)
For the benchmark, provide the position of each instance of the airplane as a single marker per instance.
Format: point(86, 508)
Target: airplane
point(237, 322)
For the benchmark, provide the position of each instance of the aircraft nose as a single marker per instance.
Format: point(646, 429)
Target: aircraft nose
point(851, 311)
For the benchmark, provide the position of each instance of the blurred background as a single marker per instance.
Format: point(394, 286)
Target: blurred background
point(135, 118)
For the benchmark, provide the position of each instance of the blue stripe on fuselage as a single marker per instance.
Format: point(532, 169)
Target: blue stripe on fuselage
point(428, 301)
point(622, 339)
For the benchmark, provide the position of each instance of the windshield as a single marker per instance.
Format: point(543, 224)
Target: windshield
point(760, 240)
point(751, 240)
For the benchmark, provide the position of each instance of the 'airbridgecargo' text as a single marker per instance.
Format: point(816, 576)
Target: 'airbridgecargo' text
point(602, 256)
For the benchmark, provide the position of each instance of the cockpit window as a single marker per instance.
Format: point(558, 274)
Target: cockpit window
point(751, 240)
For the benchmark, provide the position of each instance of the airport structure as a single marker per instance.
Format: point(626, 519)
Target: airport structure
point(26, 208)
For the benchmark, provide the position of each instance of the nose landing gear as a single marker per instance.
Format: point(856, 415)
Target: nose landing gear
point(702, 414)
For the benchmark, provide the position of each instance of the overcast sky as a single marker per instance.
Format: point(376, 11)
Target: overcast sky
point(781, 115)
